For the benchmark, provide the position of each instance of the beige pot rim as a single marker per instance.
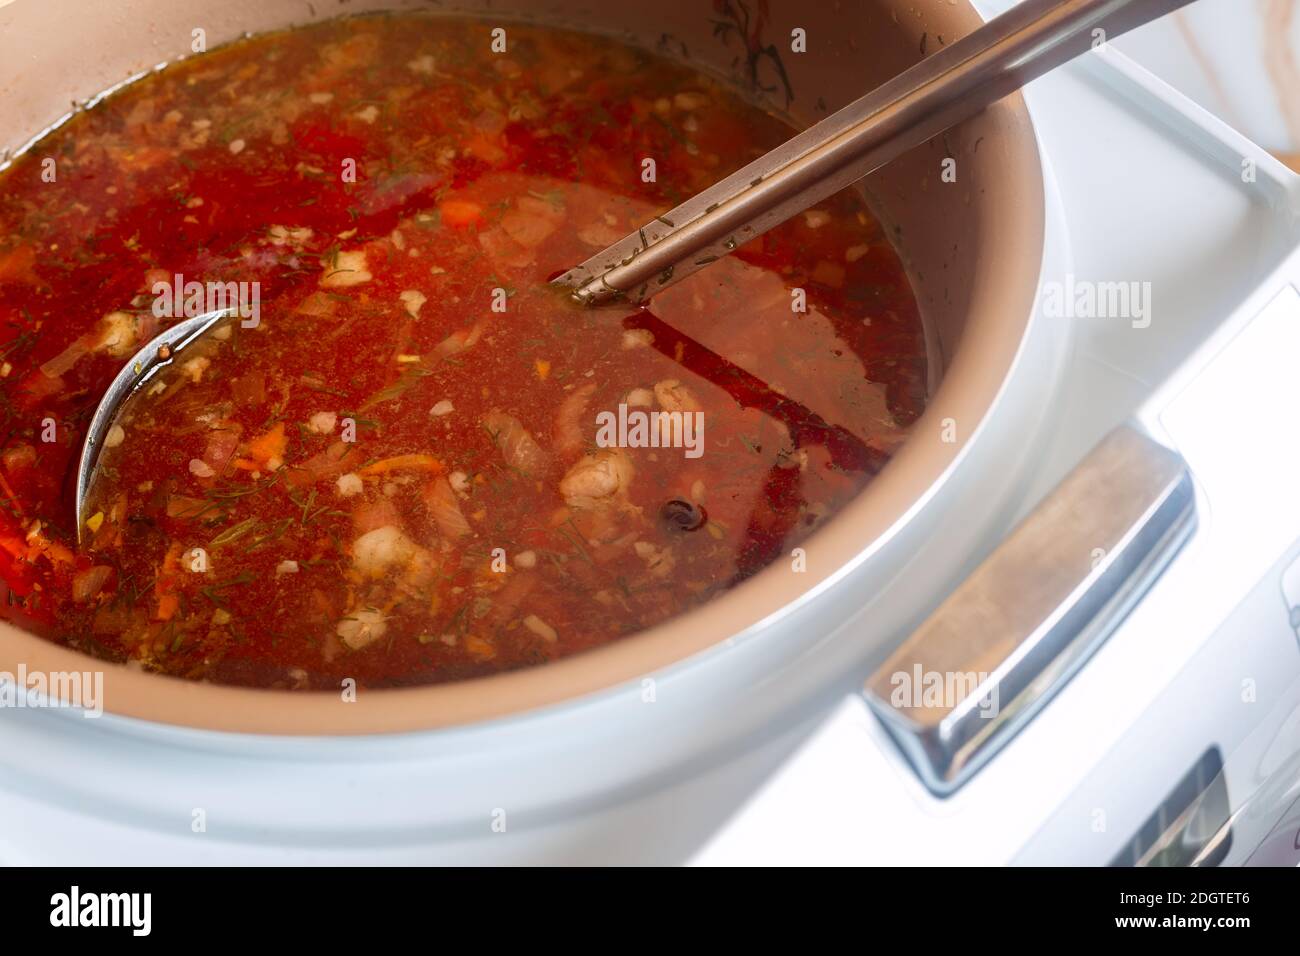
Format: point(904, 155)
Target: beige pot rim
point(995, 322)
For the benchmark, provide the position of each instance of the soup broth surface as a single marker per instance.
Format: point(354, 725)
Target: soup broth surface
point(411, 460)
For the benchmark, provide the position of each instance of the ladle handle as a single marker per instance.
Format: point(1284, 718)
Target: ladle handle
point(947, 87)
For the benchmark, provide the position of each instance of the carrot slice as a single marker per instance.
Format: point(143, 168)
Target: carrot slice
point(485, 149)
point(164, 585)
point(403, 463)
point(269, 444)
point(167, 606)
point(459, 212)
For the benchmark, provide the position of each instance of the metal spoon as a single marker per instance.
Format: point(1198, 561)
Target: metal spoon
point(954, 84)
point(160, 351)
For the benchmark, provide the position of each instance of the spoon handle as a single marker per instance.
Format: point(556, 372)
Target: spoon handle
point(953, 84)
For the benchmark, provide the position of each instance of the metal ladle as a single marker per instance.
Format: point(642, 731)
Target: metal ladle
point(161, 351)
point(953, 84)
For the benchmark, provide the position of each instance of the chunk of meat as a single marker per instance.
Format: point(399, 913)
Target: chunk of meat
point(598, 479)
point(362, 627)
point(518, 447)
point(69, 357)
point(88, 583)
point(673, 396)
point(221, 446)
point(335, 460)
point(459, 341)
point(507, 600)
point(531, 221)
point(375, 552)
point(369, 515)
point(444, 509)
point(569, 434)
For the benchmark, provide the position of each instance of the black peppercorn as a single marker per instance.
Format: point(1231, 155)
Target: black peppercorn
point(681, 515)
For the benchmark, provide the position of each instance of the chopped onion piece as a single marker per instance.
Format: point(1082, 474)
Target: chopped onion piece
point(541, 628)
point(375, 551)
point(346, 269)
point(362, 627)
point(412, 300)
point(322, 423)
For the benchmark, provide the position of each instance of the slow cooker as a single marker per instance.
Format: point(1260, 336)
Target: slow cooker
point(642, 751)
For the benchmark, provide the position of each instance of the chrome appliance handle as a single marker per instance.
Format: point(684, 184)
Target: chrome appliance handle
point(1018, 628)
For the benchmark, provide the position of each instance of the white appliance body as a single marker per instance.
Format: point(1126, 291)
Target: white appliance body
point(1142, 186)
point(1197, 694)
